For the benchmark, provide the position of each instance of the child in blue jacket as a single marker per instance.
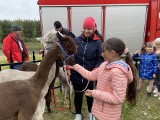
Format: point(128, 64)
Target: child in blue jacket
point(148, 65)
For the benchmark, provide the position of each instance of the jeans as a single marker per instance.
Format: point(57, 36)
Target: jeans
point(16, 66)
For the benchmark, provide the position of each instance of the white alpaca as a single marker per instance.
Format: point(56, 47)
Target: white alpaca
point(38, 115)
point(10, 74)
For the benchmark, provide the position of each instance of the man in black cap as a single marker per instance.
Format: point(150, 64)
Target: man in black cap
point(64, 31)
point(13, 47)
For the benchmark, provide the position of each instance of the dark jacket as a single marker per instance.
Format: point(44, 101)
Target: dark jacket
point(98, 34)
point(148, 65)
point(88, 55)
point(65, 31)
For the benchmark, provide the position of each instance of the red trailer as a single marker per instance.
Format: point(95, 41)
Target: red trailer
point(134, 21)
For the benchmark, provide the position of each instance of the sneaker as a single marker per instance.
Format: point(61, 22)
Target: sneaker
point(156, 95)
point(147, 88)
point(155, 90)
point(78, 117)
point(91, 117)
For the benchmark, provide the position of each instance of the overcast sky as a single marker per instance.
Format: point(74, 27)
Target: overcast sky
point(19, 9)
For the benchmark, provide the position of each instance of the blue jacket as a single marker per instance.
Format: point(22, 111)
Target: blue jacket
point(89, 55)
point(148, 65)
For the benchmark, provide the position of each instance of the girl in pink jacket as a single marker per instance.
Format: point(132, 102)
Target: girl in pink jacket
point(116, 80)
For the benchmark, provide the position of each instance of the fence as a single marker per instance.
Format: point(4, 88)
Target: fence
point(32, 47)
point(10, 64)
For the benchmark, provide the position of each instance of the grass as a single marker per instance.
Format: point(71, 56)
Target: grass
point(147, 108)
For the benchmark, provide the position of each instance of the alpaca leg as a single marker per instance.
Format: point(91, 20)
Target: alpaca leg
point(68, 95)
point(38, 115)
point(48, 100)
point(15, 116)
point(64, 94)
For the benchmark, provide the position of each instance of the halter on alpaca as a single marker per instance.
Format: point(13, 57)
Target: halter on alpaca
point(66, 56)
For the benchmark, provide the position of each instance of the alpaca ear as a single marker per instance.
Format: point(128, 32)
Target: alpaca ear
point(39, 39)
point(59, 35)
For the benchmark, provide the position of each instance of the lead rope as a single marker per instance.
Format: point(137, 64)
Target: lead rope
point(67, 75)
point(68, 82)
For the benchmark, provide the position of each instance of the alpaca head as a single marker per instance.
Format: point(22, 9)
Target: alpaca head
point(69, 47)
point(48, 40)
point(50, 36)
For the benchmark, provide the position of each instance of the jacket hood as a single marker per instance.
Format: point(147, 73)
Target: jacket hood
point(124, 67)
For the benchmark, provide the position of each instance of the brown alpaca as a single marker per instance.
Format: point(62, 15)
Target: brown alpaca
point(20, 98)
point(30, 66)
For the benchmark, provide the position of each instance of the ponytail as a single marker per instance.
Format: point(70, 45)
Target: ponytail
point(131, 94)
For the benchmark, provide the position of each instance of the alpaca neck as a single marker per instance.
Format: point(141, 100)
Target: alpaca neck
point(43, 70)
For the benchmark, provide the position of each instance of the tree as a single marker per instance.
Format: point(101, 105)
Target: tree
point(1, 34)
point(30, 28)
point(6, 27)
point(27, 29)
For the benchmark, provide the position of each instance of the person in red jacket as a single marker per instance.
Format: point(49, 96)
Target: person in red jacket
point(14, 48)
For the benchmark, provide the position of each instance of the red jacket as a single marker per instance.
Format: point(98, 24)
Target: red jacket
point(11, 47)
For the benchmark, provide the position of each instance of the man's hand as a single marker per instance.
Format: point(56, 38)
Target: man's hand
point(15, 61)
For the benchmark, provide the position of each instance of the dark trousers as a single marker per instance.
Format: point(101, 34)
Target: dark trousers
point(78, 99)
point(158, 80)
point(158, 86)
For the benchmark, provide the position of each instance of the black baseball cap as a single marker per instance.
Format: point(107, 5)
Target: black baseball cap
point(16, 28)
point(57, 24)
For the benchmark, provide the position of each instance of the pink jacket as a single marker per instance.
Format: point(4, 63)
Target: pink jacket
point(112, 81)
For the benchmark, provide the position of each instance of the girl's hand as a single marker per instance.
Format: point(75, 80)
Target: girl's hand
point(154, 76)
point(68, 67)
point(137, 52)
point(88, 93)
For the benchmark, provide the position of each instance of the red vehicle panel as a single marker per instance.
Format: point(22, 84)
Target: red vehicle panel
point(152, 29)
